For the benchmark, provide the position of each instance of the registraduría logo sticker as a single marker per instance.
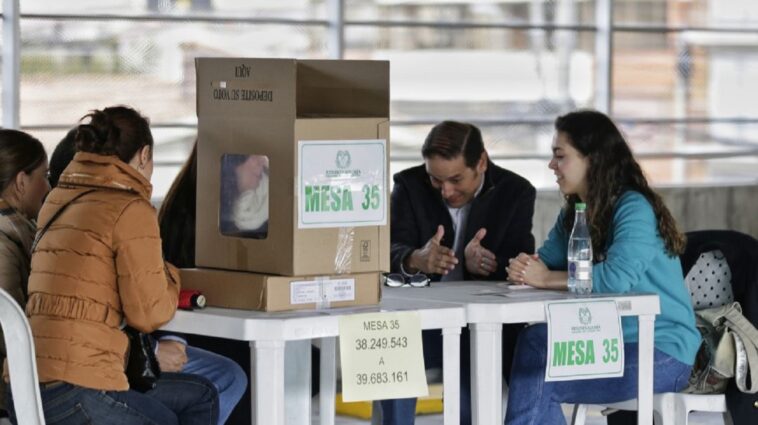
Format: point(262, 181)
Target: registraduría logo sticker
point(585, 316)
point(342, 160)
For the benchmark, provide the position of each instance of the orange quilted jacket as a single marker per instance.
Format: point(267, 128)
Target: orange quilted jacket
point(100, 263)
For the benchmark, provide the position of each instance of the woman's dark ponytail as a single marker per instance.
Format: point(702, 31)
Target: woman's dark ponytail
point(116, 130)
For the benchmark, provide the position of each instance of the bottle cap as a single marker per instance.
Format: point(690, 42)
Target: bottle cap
point(580, 206)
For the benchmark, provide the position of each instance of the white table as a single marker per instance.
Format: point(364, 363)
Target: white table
point(489, 305)
point(268, 333)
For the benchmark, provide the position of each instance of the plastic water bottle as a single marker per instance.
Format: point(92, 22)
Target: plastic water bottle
point(580, 254)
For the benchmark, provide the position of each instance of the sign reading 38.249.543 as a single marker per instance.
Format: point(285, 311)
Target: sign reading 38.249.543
point(342, 183)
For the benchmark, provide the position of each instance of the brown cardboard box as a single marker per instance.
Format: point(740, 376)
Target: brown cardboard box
point(264, 109)
point(253, 291)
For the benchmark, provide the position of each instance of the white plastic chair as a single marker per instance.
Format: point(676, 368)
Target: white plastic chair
point(22, 363)
point(668, 408)
point(674, 408)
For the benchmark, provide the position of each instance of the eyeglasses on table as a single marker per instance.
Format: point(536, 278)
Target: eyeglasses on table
point(399, 280)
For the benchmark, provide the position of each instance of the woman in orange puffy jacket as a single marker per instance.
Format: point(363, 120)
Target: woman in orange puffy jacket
point(99, 266)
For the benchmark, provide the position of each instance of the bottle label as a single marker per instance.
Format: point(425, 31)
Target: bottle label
point(580, 270)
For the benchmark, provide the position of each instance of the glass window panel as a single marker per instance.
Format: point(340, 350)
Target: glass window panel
point(490, 11)
point(477, 74)
point(647, 12)
point(700, 171)
point(687, 13)
point(288, 9)
point(692, 74)
point(696, 139)
point(730, 14)
point(70, 66)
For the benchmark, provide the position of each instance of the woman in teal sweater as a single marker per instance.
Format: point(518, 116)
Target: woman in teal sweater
point(636, 246)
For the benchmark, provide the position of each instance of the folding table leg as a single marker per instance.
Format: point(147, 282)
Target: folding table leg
point(451, 374)
point(327, 380)
point(267, 368)
point(486, 373)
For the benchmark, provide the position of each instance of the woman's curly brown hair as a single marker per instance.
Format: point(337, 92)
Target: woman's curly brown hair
point(612, 171)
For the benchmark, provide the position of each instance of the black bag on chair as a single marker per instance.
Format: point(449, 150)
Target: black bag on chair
point(142, 369)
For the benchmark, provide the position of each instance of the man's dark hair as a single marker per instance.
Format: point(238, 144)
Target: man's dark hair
point(62, 156)
point(449, 139)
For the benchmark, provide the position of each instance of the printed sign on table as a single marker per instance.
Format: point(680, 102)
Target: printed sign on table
point(342, 183)
point(381, 356)
point(584, 340)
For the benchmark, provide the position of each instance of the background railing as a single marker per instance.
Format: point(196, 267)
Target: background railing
point(677, 75)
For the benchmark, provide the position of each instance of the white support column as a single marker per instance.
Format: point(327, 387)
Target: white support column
point(11, 63)
point(327, 380)
point(336, 31)
point(645, 377)
point(486, 373)
point(604, 55)
point(267, 382)
point(451, 375)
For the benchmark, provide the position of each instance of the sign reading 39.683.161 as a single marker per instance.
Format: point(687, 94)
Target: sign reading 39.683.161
point(381, 377)
point(381, 356)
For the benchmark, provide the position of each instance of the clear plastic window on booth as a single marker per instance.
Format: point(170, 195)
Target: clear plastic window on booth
point(243, 210)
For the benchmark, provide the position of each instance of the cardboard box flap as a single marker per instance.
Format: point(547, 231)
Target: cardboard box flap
point(228, 87)
point(343, 88)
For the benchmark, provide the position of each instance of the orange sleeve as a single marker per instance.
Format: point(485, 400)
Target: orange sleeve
point(147, 285)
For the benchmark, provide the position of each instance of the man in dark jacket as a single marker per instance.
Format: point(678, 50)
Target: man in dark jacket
point(457, 217)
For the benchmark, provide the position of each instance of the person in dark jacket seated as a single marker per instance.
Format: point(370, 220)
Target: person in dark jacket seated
point(458, 216)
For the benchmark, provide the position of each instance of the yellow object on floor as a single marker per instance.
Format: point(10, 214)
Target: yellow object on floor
point(362, 409)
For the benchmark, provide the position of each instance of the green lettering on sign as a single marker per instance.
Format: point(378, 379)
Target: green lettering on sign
point(327, 198)
point(311, 199)
point(336, 198)
point(570, 353)
point(347, 199)
point(610, 350)
point(371, 197)
point(324, 198)
point(559, 353)
point(590, 352)
point(573, 353)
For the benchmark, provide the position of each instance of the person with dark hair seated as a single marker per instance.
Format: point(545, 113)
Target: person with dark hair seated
point(97, 266)
point(457, 217)
point(23, 187)
point(635, 242)
point(62, 155)
point(173, 352)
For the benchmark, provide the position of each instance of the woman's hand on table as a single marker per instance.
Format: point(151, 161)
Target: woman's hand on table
point(527, 269)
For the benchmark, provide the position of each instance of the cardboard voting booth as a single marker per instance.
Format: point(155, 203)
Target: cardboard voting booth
point(293, 166)
point(254, 291)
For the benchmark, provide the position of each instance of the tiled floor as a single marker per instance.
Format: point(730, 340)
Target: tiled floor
point(593, 418)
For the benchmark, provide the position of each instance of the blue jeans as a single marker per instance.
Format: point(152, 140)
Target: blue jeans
point(178, 399)
point(531, 400)
point(228, 377)
point(403, 411)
